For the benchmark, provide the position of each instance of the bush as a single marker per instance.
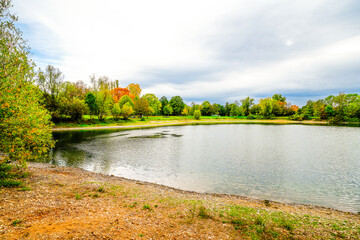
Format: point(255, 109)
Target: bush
point(296, 117)
point(197, 114)
point(250, 116)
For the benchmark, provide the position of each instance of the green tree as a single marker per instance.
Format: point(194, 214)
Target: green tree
point(25, 126)
point(116, 111)
point(90, 100)
point(234, 110)
point(154, 103)
point(127, 110)
point(329, 111)
point(193, 108)
point(197, 114)
point(164, 102)
point(279, 97)
point(50, 82)
point(177, 105)
point(168, 110)
point(227, 109)
point(206, 109)
point(104, 101)
point(266, 105)
point(246, 105)
point(222, 111)
point(126, 99)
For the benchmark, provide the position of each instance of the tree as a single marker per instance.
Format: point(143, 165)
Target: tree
point(134, 89)
point(90, 100)
point(266, 105)
point(50, 83)
point(74, 108)
point(193, 108)
point(246, 105)
point(215, 109)
point(186, 110)
point(126, 99)
point(116, 111)
point(222, 111)
point(227, 109)
point(319, 110)
point(71, 102)
point(206, 109)
point(279, 97)
point(141, 107)
point(104, 103)
point(154, 103)
point(164, 102)
point(127, 110)
point(118, 93)
point(235, 110)
point(168, 110)
point(25, 126)
point(177, 105)
point(197, 114)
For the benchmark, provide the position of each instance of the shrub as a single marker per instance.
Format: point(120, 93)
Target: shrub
point(250, 116)
point(197, 114)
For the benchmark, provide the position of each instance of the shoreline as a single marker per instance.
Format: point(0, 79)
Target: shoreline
point(73, 203)
point(153, 124)
point(203, 194)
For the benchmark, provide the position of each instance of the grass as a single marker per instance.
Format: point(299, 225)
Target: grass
point(16, 222)
point(146, 207)
point(159, 121)
point(10, 175)
point(78, 197)
point(101, 189)
point(156, 120)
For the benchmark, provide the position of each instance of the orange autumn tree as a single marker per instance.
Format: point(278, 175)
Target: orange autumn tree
point(134, 89)
point(117, 93)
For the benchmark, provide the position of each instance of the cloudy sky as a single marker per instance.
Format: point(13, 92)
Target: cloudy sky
point(201, 49)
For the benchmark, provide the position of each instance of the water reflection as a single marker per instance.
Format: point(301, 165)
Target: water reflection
point(291, 163)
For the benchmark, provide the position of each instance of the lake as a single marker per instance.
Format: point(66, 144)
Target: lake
point(317, 165)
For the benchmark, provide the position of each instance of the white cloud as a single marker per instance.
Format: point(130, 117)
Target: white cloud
point(268, 45)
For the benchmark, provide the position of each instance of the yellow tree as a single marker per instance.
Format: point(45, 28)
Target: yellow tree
point(134, 89)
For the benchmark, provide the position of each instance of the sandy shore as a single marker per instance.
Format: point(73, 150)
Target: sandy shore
point(71, 203)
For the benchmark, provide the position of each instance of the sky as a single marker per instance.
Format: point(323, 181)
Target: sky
point(213, 50)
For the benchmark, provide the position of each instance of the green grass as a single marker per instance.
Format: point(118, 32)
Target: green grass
point(146, 207)
point(10, 175)
point(78, 197)
point(158, 120)
point(16, 222)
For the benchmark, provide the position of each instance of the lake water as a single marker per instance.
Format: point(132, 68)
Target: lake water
point(317, 165)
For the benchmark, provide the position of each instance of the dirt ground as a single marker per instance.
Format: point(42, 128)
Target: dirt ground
point(71, 203)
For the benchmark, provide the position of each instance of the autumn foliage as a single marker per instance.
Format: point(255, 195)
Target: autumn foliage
point(25, 126)
point(117, 93)
point(134, 89)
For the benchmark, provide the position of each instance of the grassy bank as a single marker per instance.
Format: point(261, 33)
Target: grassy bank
point(70, 203)
point(154, 121)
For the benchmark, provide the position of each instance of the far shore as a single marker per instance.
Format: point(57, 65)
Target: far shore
point(171, 122)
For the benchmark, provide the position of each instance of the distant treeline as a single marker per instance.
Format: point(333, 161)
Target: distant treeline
point(70, 101)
